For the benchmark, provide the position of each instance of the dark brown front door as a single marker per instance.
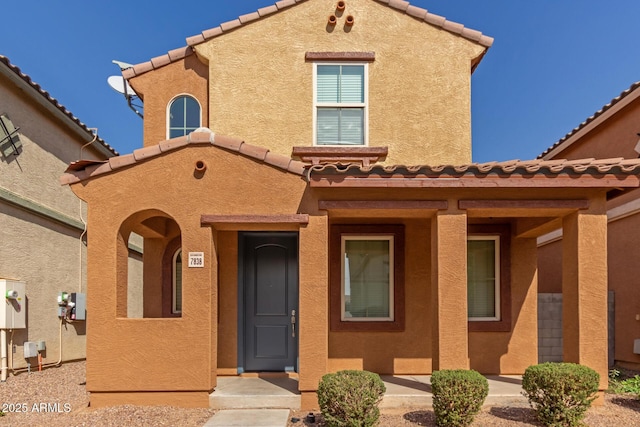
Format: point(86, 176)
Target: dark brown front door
point(270, 289)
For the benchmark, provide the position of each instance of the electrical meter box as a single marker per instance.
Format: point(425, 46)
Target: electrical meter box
point(78, 306)
point(13, 304)
point(30, 349)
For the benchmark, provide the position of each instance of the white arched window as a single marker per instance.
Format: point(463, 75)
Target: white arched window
point(184, 116)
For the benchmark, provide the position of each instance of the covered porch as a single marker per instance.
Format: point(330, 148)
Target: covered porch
point(402, 391)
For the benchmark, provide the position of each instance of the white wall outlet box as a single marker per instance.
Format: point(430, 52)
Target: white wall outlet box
point(13, 304)
point(636, 346)
point(41, 345)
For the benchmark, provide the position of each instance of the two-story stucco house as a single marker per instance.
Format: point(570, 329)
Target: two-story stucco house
point(43, 230)
point(612, 132)
point(328, 216)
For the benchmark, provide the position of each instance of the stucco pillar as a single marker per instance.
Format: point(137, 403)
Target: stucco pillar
point(584, 289)
point(314, 308)
point(449, 290)
point(213, 352)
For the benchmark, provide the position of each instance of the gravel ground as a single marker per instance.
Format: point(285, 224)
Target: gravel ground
point(57, 397)
point(617, 411)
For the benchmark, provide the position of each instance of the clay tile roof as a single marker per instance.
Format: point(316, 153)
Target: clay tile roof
point(225, 27)
point(43, 93)
point(82, 169)
point(615, 101)
point(503, 169)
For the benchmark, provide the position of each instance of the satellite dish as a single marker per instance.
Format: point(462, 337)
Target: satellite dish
point(122, 65)
point(120, 85)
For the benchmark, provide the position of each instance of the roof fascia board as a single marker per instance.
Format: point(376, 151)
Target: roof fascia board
point(618, 106)
point(49, 107)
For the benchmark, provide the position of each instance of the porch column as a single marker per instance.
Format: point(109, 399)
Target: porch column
point(584, 288)
point(314, 308)
point(450, 346)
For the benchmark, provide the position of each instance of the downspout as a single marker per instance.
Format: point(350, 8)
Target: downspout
point(3, 354)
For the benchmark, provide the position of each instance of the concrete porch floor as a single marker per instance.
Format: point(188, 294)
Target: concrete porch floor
point(403, 391)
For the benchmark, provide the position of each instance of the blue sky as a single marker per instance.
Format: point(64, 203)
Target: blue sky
point(552, 65)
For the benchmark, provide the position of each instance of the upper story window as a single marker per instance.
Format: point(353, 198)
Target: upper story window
point(184, 116)
point(340, 110)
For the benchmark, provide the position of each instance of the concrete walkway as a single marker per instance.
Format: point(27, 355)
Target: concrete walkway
point(265, 401)
point(249, 418)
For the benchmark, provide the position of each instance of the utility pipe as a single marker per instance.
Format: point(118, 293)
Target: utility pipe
point(3, 354)
point(45, 365)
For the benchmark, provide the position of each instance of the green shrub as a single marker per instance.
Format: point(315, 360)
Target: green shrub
point(350, 398)
point(458, 396)
point(629, 385)
point(560, 393)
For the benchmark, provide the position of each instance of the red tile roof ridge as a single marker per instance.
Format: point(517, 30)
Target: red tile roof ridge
point(565, 139)
point(225, 27)
point(79, 171)
point(46, 95)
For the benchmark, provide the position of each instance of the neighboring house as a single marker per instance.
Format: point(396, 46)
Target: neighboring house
point(298, 250)
point(611, 132)
point(42, 223)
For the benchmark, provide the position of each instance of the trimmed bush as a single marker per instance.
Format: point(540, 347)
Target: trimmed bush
point(458, 396)
point(560, 393)
point(350, 398)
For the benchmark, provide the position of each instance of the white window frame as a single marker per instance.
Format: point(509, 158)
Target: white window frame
point(168, 111)
point(174, 283)
point(386, 237)
point(364, 105)
point(496, 239)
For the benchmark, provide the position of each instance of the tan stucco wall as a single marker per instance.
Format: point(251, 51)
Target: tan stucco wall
point(623, 255)
point(512, 352)
point(615, 137)
point(584, 289)
point(157, 89)
point(47, 255)
point(550, 267)
point(261, 87)
point(146, 348)
point(406, 352)
point(227, 321)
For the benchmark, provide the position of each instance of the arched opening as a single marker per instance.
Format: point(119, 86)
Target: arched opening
point(150, 266)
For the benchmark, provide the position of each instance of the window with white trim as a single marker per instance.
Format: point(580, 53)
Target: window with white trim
point(483, 278)
point(184, 116)
point(176, 273)
point(340, 98)
point(367, 278)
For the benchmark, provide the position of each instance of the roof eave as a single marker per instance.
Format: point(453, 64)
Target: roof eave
point(43, 100)
point(226, 27)
point(597, 119)
point(608, 181)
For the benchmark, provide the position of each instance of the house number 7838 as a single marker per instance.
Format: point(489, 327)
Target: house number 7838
point(196, 259)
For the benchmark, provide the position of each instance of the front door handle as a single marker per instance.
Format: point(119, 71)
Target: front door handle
point(293, 323)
